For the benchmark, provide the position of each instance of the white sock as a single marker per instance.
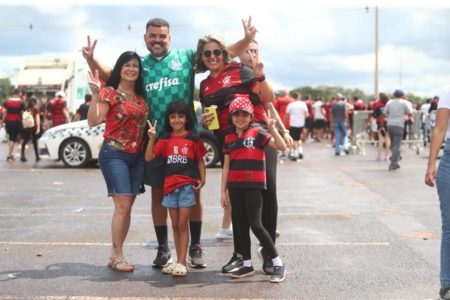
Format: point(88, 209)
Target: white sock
point(248, 263)
point(277, 262)
point(295, 153)
point(300, 150)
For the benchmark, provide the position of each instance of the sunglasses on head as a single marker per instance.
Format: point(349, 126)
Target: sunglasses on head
point(216, 52)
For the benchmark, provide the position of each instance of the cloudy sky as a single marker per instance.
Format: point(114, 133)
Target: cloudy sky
point(319, 43)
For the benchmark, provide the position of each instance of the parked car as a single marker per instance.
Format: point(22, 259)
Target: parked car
point(76, 144)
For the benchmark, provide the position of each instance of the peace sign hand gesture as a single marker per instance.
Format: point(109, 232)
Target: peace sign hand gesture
point(152, 129)
point(249, 30)
point(94, 82)
point(88, 51)
point(258, 67)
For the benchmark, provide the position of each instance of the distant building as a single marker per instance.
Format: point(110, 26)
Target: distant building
point(45, 77)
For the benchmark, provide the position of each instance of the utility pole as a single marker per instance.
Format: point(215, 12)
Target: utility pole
point(377, 40)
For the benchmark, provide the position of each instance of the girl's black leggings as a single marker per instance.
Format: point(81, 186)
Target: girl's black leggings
point(246, 214)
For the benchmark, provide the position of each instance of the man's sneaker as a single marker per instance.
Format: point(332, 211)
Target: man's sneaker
point(444, 293)
point(224, 233)
point(196, 257)
point(300, 156)
point(278, 274)
point(163, 257)
point(233, 265)
point(267, 264)
point(243, 272)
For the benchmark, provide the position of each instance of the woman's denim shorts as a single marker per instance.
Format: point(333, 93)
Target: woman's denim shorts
point(122, 171)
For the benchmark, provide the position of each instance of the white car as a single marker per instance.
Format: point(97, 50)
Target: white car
point(76, 144)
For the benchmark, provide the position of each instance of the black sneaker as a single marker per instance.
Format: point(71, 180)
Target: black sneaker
point(243, 272)
point(196, 257)
point(444, 293)
point(267, 264)
point(233, 264)
point(278, 274)
point(300, 156)
point(163, 257)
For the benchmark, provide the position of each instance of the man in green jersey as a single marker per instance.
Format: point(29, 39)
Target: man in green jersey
point(168, 76)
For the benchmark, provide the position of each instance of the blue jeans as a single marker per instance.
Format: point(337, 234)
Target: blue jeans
point(443, 188)
point(123, 172)
point(183, 196)
point(340, 133)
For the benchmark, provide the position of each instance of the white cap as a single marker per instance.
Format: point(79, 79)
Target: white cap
point(60, 94)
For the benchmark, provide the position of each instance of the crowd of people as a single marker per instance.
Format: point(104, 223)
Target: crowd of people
point(25, 117)
point(151, 137)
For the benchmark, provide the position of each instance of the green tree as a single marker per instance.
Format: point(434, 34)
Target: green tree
point(6, 89)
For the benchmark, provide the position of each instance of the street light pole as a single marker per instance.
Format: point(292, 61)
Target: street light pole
point(376, 49)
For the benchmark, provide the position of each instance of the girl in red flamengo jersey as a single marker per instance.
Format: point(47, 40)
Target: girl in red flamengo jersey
point(184, 175)
point(244, 177)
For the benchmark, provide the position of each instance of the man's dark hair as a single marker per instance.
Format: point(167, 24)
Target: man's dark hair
point(87, 97)
point(157, 22)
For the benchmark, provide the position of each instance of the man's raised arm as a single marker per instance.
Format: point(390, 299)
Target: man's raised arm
point(88, 53)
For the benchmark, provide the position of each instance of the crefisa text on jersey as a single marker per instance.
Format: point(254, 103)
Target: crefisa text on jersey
point(162, 84)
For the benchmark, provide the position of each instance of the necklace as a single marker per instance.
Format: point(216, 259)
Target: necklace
point(125, 94)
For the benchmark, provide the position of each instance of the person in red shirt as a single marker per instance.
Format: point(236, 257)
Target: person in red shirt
point(12, 118)
point(309, 120)
point(181, 152)
point(58, 109)
point(384, 141)
point(281, 104)
point(121, 157)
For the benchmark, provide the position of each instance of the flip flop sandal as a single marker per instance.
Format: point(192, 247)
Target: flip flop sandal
point(119, 264)
point(169, 268)
point(111, 261)
point(180, 270)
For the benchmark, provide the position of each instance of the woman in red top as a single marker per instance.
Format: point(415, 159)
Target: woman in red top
point(121, 157)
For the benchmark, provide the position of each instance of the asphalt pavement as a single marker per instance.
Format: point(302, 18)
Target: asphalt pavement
point(349, 230)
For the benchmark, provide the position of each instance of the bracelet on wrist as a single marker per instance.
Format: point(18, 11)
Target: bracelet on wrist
point(261, 79)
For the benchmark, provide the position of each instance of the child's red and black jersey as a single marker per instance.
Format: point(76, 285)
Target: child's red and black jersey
point(247, 158)
point(234, 79)
point(181, 155)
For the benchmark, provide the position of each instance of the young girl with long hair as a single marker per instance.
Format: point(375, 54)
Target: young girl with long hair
point(182, 153)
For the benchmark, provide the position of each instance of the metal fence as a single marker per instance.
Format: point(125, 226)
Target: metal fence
point(364, 126)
